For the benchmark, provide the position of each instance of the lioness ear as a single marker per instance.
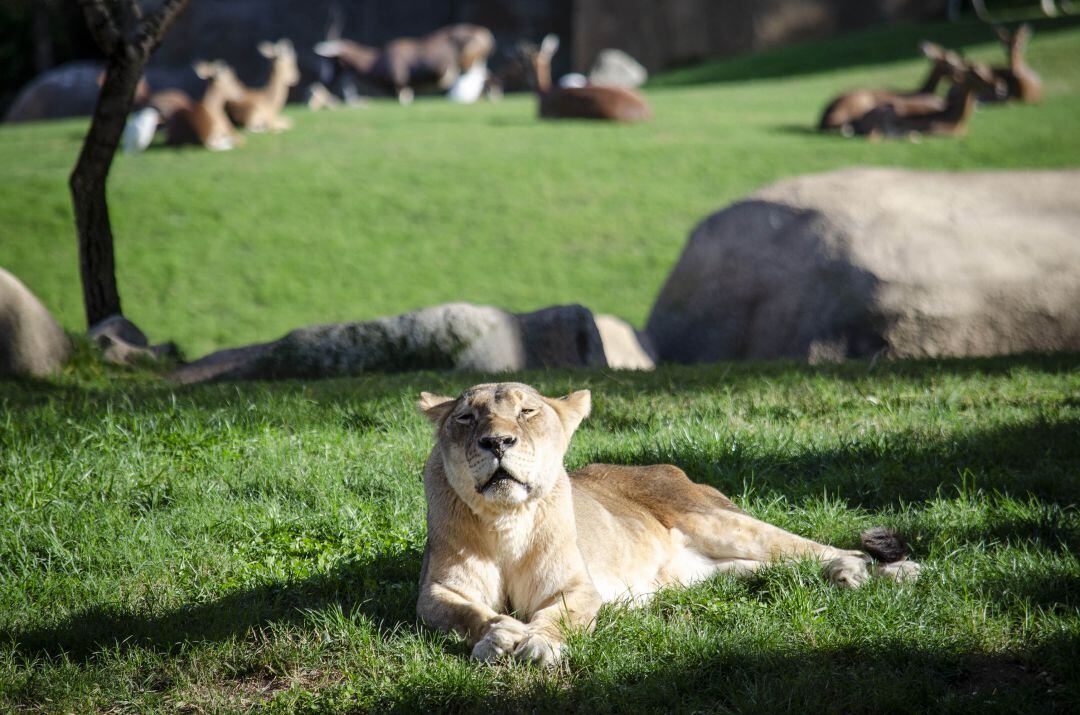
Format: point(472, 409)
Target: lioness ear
point(435, 407)
point(573, 409)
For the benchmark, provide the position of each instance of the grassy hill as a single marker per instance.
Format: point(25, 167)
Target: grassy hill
point(257, 546)
point(363, 213)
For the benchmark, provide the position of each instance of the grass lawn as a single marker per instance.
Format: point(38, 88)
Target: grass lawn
point(258, 545)
point(358, 214)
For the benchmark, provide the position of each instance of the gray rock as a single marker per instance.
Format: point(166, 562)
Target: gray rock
point(117, 327)
point(862, 261)
point(615, 68)
point(32, 343)
point(455, 336)
point(624, 347)
point(122, 343)
point(69, 90)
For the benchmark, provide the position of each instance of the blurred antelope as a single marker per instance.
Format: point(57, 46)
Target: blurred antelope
point(439, 58)
point(847, 109)
point(969, 80)
point(588, 102)
point(260, 109)
point(205, 122)
point(1022, 83)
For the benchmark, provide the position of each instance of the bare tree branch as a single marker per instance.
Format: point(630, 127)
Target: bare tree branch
point(152, 29)
point(131, 15)
point(102, 25)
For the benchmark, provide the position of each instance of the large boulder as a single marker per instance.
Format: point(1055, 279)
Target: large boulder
point(615, 68)
point(862, 261)
point(70, 90)
point(455, 336)
point(32, 343)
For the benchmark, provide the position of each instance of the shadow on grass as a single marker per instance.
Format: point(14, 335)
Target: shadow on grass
point(878, 45)
point(1036, 458)
point(382, 588)
point(806, 130)
point(889, 677)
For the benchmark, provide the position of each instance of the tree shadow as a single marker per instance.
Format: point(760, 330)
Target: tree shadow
point(890, 677)
point(1031, 459)
point(382, 588)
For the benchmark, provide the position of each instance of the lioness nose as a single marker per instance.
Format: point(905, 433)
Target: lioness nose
point(497, 443)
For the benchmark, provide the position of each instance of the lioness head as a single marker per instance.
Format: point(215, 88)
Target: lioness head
point(503, 443)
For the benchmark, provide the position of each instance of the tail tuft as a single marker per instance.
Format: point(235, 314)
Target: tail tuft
point(884, 545)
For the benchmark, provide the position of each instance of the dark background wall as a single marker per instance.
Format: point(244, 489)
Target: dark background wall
point(677, 32)
point(661, 33)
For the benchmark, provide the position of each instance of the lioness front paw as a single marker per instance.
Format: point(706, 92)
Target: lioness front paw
point(540, 650)
point(849, 571)
point(502, 637)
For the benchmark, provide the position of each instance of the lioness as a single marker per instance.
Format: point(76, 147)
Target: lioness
point(508, 528)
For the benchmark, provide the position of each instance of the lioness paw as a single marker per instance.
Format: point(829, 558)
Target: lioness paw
point(848, 571)
point(500, 639)
point(540, 650)
point(905, 571)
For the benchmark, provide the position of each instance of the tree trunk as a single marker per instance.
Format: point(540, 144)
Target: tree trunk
point(127, 38)
point(96, 264)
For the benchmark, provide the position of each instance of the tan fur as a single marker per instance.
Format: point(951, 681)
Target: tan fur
point(590, 102)
point(409, 63)
point(259, 110)
point(970, 80)
point(844, 111)
point(205, 122)
point(1023, 83)
point(510, 531)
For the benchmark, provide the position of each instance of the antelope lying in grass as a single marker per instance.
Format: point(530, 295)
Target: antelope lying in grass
point(205, 122)
point(260, 109)
point(1022, 83)
point(588, 102)
point(847, 109)
point(152, 110)
point(405, 64)
point(969, 80)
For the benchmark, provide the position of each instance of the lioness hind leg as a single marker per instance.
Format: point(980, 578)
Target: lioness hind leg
point(724, 536)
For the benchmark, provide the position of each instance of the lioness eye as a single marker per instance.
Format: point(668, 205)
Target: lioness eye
point(528, 411)
point(465, 418)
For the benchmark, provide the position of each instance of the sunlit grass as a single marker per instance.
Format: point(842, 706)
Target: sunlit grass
point(358, 214)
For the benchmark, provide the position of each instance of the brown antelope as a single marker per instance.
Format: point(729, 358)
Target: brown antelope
point(1021, 82)
point(847, 109)
point(408, 63)
point(589, 102)
point(205, 122)
point(260, 109)
point(969, 80)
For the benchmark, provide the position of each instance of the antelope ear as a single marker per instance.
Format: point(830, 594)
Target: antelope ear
point(435, 407)
point(549, 45)
point(931, 50)
point(284, 45)
point(205, 70)
point(267, 49)
point(1003, 34)
point(1023, 33)
point(572, 409)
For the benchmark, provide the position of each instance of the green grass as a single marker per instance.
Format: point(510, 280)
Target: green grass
point(358, 214)
point(256, 546)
